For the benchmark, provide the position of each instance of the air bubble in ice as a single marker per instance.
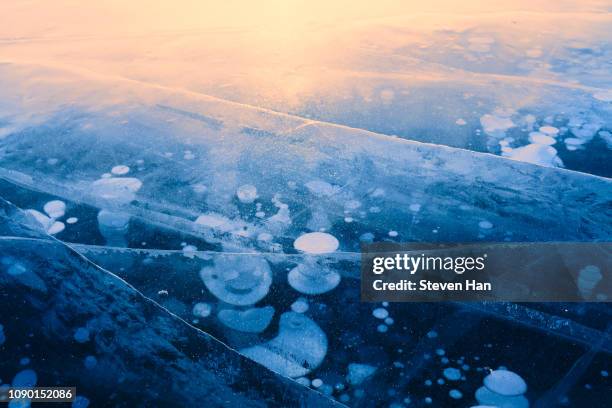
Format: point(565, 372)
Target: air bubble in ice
point(121, 190)
point(55, 208)
point(380, 313)
point(120, 170)
point(300, 306)
point(25, 379)
point(246, 193)
point(72, 220)
point(358, 373)
point(238, 281)
point(313, 278)
point(81, 335)
point(113, 226)
point(487, 397)
point(56, 228)
point(485, 224)
point(254, 320)
point(320, 188)
point(452, 374)
point(201, 309)
point(505, 383)
point(299, 347)
point(316, 243)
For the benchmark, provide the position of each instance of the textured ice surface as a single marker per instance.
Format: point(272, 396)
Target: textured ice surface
point(239, 186)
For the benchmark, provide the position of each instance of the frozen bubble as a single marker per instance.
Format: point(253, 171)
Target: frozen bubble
point(485, 224)
point(352, 205)
point(25, 379)
point(300, 306)
point(90, 362)
point(120, 170)
point(237, 280)
point(549, 130)
point(452, 374)
point(389, 321)
point(543, 155)
point(317, 382)
point(382, 328)
point(486, 397)
point(17, 268)
point(113, 226)
point(357, 373)
point(299, 347)
point(380, 313)
point(366, 237)
point(189, 251)
point(432, 334)
point(604, 373)
point(265, 237)
point(588, 278)
point(56, 228)
point(312, 278)
point(247, 193)
point(393, 234)
point(495, 125)
point(80, 402)
point(316, 243)
point(119, 189)
point(254, 320)
point(40, 217)
point(72, 220)
point(219, 222)
point(201, 309)
point(455, 394)
point(460, 122)
point(440, 352)
point(504, 382)
point(539, 138)
point(81, 335)
point(415, 207)
point(55, 208)
point(428, 400)
point(321, 188)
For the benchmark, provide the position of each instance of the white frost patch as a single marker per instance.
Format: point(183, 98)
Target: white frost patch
point(55, 208)
point(316, 243)
point(81, 335)
point(247, 193)
point(120, 170)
